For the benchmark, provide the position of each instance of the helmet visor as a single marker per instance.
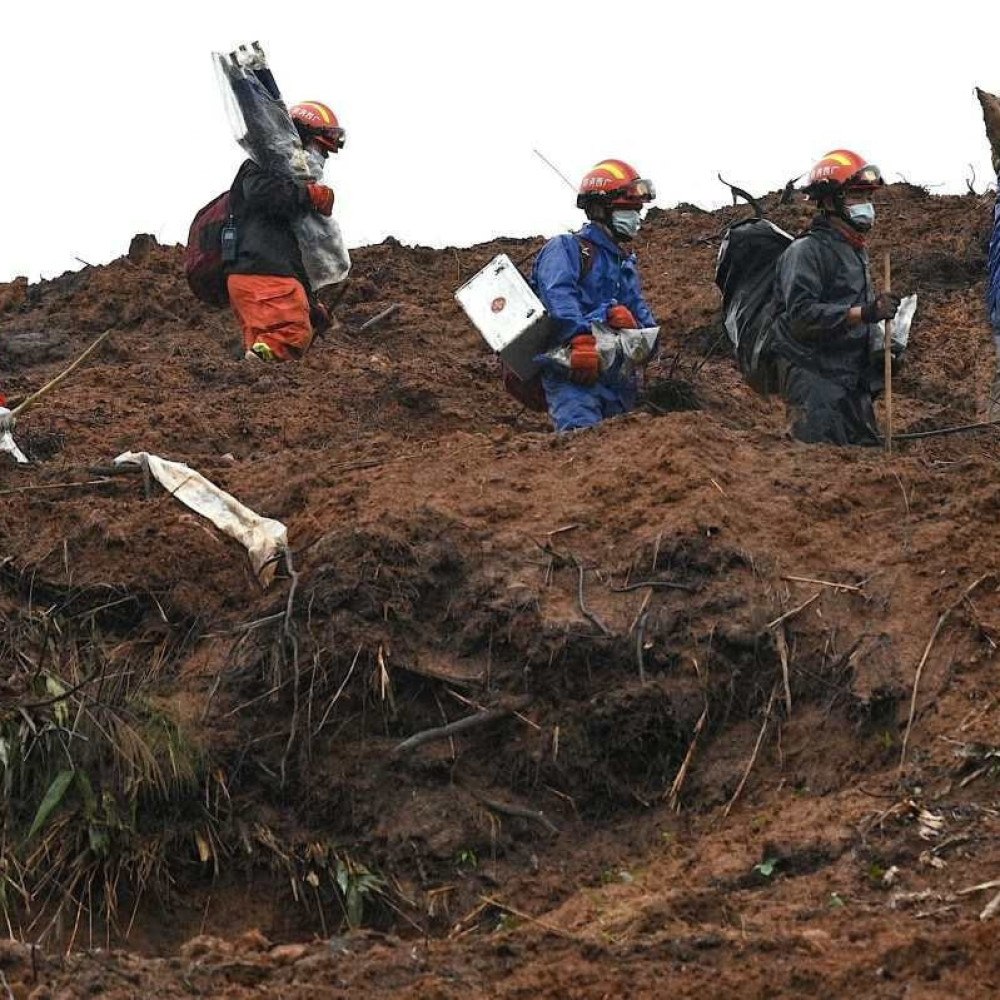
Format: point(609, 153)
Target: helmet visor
point(332, 138)
point(869, 176)
point(640, 189)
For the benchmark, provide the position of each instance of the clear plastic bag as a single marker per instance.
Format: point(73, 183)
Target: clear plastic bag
point(901, 324)
point(262, 126)
point(622, 353)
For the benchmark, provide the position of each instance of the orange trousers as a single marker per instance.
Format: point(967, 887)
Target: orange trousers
point(272, 310)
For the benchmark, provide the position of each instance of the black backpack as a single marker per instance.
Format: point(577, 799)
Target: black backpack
point(745, 273)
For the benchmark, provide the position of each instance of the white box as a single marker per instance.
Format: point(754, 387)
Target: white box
point(508, 314)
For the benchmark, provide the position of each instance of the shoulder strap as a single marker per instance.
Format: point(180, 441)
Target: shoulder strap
point(586, 256)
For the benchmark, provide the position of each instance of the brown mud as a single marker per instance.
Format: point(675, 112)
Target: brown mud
point(647, 809)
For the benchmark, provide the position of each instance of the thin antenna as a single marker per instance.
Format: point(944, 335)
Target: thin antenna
point(555, 169)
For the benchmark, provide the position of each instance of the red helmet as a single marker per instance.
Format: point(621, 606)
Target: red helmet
point(842, 170)
point(319, 124)
point(615, 183)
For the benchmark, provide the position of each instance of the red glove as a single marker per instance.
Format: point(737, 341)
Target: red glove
point(621, 318)
point(321, 198)
point(584, 361)
point(319, 316)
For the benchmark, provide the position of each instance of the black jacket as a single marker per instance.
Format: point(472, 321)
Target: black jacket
point(264, 205)
point(818, 279)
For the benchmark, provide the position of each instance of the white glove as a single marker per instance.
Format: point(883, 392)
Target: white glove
point(7, 420)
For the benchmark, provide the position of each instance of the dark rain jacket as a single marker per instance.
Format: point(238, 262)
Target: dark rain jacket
point(819, 278)
point(264, 205)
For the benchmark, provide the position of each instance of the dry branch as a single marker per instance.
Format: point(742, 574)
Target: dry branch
point(518, 812)
point(794, 611)
point(753, 756)
point(53, 383)
point(482, 718)
point(378, 318)
point(945, 615)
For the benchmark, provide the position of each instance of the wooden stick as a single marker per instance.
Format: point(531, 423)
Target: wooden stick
point(992, 908)
point(887, 365)
point(378, 318)
point(923, 660)
point(55, 486)
point(551, 928)
point(460, 726)
point(782, 644)
point(49, 386)
point(519, 812)
point(753, 756)
point(794, 611)
point(824, 583)
point(673, 796)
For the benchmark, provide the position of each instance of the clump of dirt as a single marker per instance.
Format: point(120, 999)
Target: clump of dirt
point(660, 675)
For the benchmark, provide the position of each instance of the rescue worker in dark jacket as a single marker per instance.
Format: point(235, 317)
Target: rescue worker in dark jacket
point(826, 307)
point(267, 283)
point(593, 277)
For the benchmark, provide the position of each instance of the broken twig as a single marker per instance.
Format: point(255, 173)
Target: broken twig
point(518, 812)
point(378, 318)
point(482, 718)
point(53, 383)
point(753, 756)
point(794, 611)
point(945, 615)
point(824, 583)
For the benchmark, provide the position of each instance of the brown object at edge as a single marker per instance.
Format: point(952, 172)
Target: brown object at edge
point(990, 104)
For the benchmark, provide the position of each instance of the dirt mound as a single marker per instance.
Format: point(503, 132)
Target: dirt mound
point(535, 715)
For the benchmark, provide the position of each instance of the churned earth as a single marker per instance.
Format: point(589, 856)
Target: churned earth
point(731, 700)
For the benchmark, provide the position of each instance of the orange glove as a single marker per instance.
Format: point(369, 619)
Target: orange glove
point(584, 361)
point(621, 318)
point(321, 198)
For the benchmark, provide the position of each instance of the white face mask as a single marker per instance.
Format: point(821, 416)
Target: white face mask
point(626, 222)
point(861, 217)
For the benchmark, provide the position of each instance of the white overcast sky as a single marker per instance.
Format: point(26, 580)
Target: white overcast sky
point(113, 123)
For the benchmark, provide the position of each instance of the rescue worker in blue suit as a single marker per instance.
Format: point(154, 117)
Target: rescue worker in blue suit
point(993, 296)
point(592, 277)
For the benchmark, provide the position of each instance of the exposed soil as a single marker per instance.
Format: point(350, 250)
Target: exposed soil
point(602, 833)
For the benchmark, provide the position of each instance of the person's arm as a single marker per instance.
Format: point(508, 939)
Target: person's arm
point(271, 194)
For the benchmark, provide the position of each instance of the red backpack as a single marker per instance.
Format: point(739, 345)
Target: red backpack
point(204, 267)
point(531, 394)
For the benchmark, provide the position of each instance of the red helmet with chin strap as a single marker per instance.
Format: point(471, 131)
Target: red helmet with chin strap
point(319, 124)
point(615, 183)
point(842, 170)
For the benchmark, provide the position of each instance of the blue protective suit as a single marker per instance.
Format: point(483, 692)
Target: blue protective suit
point(993, 289)
point(574, 300)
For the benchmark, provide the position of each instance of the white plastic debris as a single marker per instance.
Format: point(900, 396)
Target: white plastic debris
point(264, 538)
point(7, 443)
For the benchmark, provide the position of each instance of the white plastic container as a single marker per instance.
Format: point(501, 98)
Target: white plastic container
point(508, 314)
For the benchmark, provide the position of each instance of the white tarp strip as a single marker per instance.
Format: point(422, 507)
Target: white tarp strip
point(9, 445)
point(263, 538)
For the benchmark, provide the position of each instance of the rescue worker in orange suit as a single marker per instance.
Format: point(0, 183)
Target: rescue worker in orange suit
point(267, 283)
point(593, 277)
point(826, 308)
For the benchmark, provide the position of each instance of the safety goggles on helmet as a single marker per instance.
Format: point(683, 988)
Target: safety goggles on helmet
point(869, 176)
point(640, 190)
point(331, 138)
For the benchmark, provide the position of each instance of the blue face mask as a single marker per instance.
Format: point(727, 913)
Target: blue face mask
point(861, 217)
point(626, 222)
